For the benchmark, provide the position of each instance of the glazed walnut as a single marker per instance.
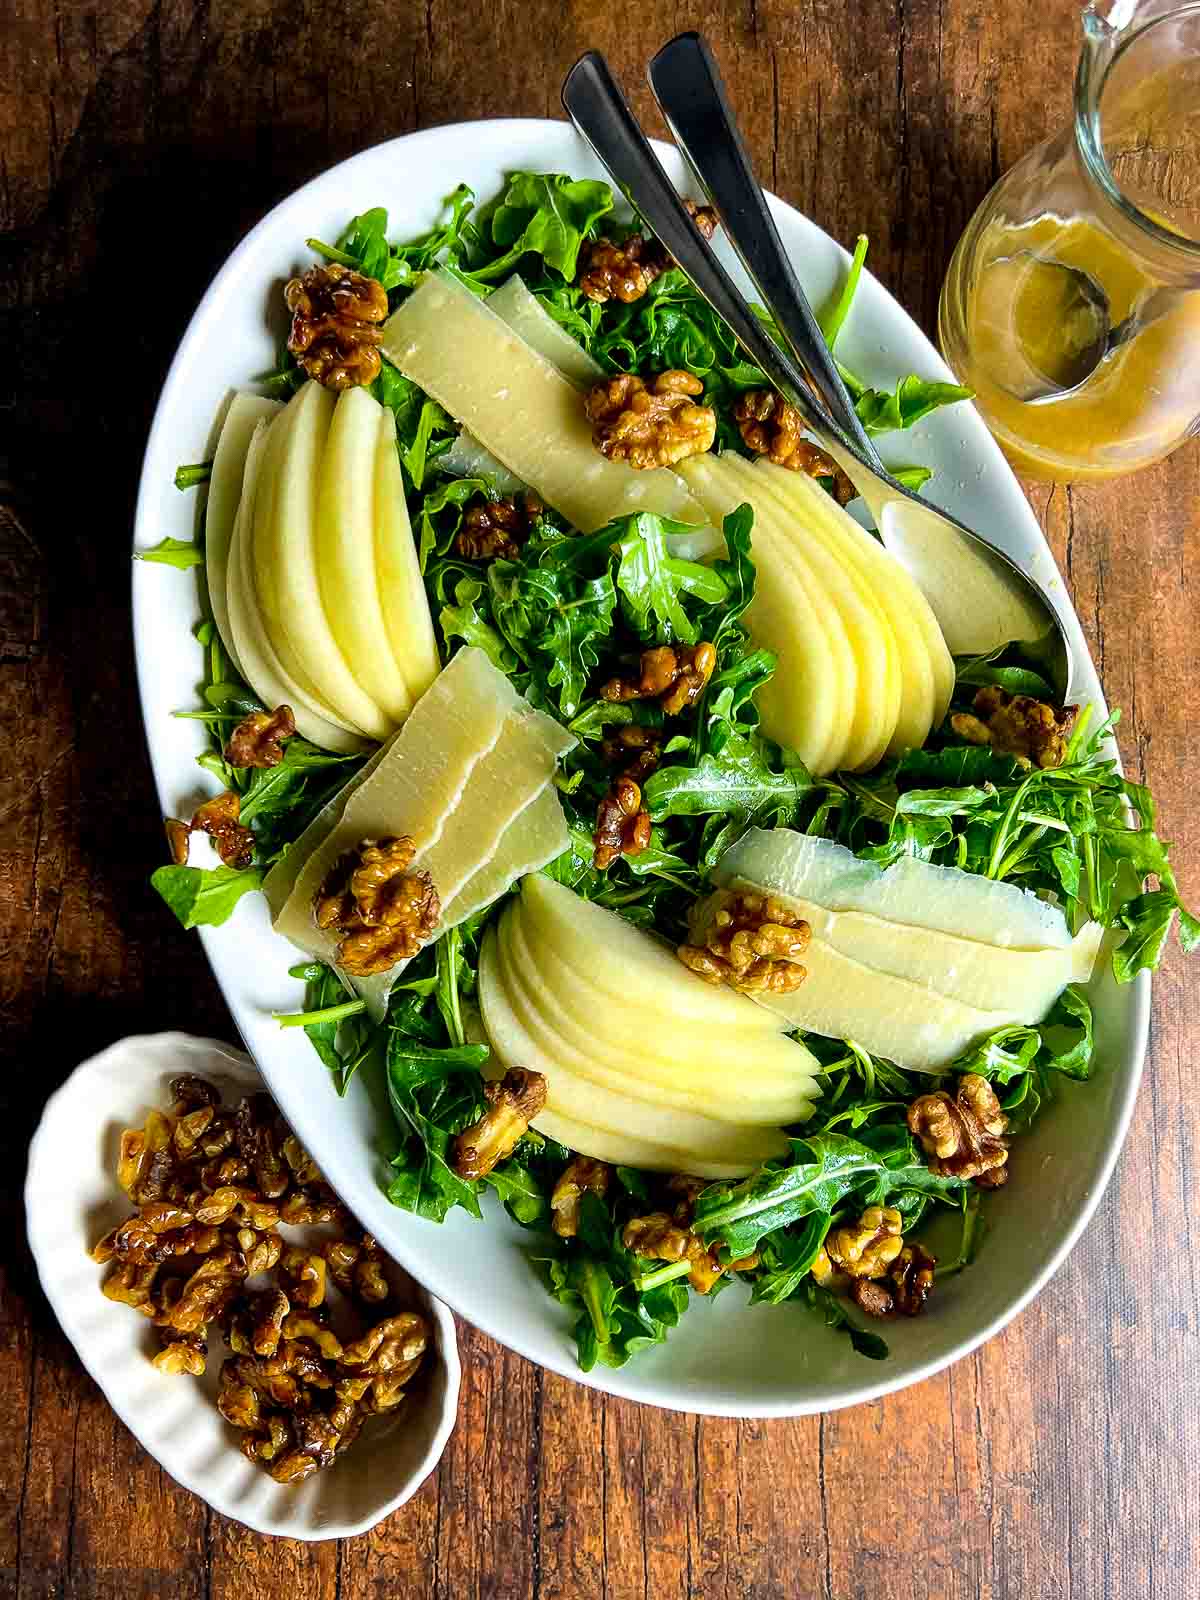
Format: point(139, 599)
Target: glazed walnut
point(772, 427)
point(867, 1248)
point(674, 675)
point(382, 912)
point(633, 748)
point(903, 1289)
point(258, 739)
point(622, 824)
point(582, 1175)
point(513, 1102)
point(650, 427)
point(218, 818)
point(335, 331)
point(963, 1133)
point(496, 529)
point(749, 940)
point(624, 271)
point(659, 1236)
point(1017, 725)
point(211, 1183)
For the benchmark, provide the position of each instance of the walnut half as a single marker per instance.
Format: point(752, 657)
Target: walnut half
point(513, 1103)
point(381, 911)
point(963, 1132)
point(653, 426)
point(749, 940)
point(335, 332)
point(772, 427)
point(1017, 725)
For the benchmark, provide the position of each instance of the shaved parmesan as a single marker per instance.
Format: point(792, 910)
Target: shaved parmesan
point(520, 407)
point(911, 892)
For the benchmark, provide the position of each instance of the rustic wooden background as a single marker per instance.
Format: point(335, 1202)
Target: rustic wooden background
point(138, 141)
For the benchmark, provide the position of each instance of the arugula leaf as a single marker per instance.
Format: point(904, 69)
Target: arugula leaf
point(732, 778)
point(832, 319)
point(464, 620)
point(652, 582)
point(205, 896)
point(545, 214)
point(913, 398)
point(824, 1169)
point(180, 553)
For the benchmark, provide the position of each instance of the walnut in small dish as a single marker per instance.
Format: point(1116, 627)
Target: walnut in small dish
point(335, 333)
point(649, 426)
point(297, 1387)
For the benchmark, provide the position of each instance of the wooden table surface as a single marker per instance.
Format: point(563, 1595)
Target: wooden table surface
point(138, 141)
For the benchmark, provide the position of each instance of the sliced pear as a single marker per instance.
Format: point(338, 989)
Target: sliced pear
point(717, 1082)
point(398, 571)
point(698, 1139)
point(628, 1150)
point(807, 702)
point(763, 1061)
point(877, 702)
point(245, 412)
point(631, 966)
point(345, 553)
point(520, 407)
point(261, 667)
point(918, 635)
point(909, 1024)
point(913, 892)
point(287, 568)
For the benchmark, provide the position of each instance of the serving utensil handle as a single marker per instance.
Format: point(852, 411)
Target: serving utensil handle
point(593, 100)
point(687, 84)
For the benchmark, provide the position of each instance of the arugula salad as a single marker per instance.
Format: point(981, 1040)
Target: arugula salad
point(618, 791)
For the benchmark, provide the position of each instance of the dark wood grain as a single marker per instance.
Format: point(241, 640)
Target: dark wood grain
point(138, 140)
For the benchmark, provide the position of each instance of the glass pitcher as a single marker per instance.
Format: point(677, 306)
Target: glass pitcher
point(1116, 196)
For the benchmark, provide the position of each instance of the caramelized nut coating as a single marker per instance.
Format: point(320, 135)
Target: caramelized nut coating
point(622, 824)
point(674, 675)
point(496, 529)
point(752, 942)
point(382, 912)
point(650, 426)
point(513, 1102)
point(258, 739)
point(772, 427)
point(964, 1132)
point(335, 331)
point(1017, 725)
point(582, 1175)
point(625, 271)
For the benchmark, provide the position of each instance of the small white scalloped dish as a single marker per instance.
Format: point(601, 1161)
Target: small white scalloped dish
point(72, 1199)
point(726, 1358)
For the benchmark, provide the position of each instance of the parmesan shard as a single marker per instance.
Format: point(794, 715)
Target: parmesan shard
point(913, 892)
point(525, 314)
point(418, 784)
point(520, 408)
point(905, 1022)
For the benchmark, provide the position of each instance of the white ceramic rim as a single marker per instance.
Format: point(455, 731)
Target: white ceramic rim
point(447, 1333)
point(410, 147)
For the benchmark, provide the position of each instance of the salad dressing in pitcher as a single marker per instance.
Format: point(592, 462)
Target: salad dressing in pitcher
point(1014, 323)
